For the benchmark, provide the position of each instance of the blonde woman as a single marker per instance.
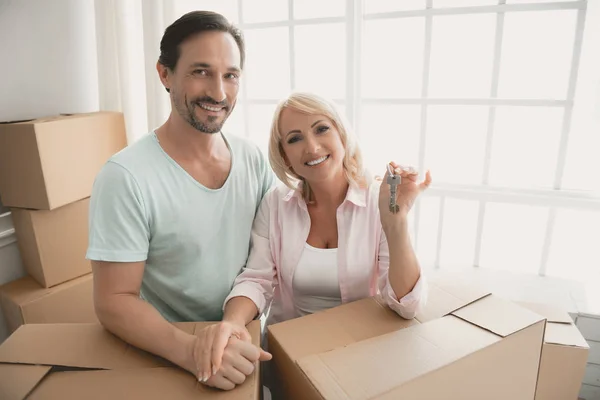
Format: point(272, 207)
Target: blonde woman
point(326, 236)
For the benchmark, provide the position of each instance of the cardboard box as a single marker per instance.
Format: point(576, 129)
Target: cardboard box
point(49, 162)
point(564, 355)
point(53, 243)
point(84, 361)
point(25, 302)
point(467, 344)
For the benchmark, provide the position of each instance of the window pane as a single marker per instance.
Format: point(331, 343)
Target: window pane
point(574, 247)
point(582, 163)
point(513, 236)
point(429, 214)
point(525, 146)
point(264, 10)
point(235, 124)
point(319, 8)
point(380, 6)
point(462, 55)
point(389, 133)
point(260, 117)
point(536, 54)
point(267, 76)
point(455, 140)
point(228, 8)
point(392, 64)
point(462, 3)
point(321, 59)
point(459, 233)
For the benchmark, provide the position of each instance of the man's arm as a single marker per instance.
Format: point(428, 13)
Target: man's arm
point(121, 311)
point(119, 245)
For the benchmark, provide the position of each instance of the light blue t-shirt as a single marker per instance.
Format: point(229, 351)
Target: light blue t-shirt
point(195, 240)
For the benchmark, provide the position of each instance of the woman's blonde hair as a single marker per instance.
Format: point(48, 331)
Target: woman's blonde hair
point(310, 103)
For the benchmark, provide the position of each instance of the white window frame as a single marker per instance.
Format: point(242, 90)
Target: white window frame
point(553, 198)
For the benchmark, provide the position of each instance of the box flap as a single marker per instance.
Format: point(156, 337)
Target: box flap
point(564, 334)
point(375, 366)
point(336, 327)
point(17, 381)
point(73, 345)
point(447, 295)
point(498, 315)
point(551, 313)
point(144, 383)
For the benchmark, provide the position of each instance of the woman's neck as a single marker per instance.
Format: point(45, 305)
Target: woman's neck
point(330, 194)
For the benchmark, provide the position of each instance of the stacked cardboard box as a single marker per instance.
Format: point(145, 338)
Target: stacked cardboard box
point(564, 355)
point(47, 169)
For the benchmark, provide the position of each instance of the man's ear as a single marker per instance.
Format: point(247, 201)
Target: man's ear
point(163, 74)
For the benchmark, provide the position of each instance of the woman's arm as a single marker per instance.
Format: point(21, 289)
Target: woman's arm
point(240, 310)
point(404, 269)
point(400, 279)
point(257, 280)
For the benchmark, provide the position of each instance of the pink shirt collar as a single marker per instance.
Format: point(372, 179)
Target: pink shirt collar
point(355, 195)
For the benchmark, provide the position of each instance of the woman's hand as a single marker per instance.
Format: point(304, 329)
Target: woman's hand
point(224, 355)
point(406, 193)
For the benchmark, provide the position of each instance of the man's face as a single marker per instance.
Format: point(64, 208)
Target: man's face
point(205, 82)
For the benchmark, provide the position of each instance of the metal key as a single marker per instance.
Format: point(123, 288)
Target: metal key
point(393, 180)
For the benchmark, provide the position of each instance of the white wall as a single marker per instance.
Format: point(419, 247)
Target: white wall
point(49, 66)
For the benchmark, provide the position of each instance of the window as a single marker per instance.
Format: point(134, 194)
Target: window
point(482, 92)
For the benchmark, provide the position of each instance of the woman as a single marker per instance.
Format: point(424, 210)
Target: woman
point(328, 236)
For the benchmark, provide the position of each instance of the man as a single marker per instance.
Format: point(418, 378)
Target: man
point(171, 215)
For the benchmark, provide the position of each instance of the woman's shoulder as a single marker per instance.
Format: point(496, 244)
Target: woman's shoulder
point(279, 192)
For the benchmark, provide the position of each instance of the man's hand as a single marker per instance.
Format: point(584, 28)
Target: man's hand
point(223, 355)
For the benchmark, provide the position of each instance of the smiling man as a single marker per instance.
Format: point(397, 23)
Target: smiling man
point(171, 215)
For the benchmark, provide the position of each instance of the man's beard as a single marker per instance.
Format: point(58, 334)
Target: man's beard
point(212, 124)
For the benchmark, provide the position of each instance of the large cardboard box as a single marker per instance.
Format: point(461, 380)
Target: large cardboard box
point(25, 302)
point(48, 162)
point(564, 355)
point(53, 243)
point(84, 361)
point(466, 345)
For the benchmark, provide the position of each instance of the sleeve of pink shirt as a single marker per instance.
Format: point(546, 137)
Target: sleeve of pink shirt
point(258, 277)
point(409, 305)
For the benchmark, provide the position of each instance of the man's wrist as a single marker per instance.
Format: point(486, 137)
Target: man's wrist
point(184, 352)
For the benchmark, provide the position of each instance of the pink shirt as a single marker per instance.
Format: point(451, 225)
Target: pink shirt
point(279, 234)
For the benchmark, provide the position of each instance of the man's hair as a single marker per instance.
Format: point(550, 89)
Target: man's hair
point(191, 24)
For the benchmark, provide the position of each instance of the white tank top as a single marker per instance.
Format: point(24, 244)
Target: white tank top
point(315, 284)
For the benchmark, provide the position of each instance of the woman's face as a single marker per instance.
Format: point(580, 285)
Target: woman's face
point(312, 146)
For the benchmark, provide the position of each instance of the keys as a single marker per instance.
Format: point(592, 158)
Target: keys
point(393, 180)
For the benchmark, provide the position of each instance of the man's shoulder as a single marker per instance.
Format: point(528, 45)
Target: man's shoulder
point(129, 164)
point(136, 152)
